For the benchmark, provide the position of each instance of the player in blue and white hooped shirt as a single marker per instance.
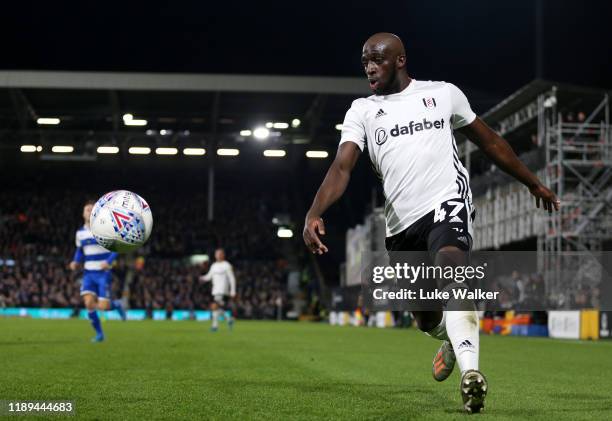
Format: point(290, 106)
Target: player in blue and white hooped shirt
point(97, 275)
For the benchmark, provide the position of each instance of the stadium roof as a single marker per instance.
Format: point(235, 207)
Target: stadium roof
point(572, 96)
point(190, 109)
point(182, 82)
point(179, 109)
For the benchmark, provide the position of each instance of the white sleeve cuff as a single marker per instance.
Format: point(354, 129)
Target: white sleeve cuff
point(360, 144)
point(462, 122)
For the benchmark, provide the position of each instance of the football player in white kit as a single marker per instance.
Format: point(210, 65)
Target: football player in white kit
point(223, 288)
point(407, 128)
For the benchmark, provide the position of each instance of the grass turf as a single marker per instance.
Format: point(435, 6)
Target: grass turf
point(269, 370)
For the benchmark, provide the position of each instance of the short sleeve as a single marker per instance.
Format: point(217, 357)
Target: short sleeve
point(353, 128)
point(76, 239)
point(461, 112)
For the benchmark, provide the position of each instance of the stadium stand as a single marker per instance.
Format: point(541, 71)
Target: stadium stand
point(36, 234)
point(37, 242)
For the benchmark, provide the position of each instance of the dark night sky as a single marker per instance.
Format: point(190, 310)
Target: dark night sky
point(487, 45)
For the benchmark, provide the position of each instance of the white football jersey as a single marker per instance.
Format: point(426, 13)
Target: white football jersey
point(409, 136)
point(222, 276)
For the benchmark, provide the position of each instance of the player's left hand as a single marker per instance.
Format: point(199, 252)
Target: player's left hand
point(104, 266)
point(548, 198)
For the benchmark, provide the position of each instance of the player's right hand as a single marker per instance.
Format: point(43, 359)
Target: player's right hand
point(73, 265)
point(314, 227)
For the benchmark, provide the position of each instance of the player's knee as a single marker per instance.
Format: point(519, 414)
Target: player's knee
point(103, 305)
point(451, 256)
point(90, 302)
point(449, 249)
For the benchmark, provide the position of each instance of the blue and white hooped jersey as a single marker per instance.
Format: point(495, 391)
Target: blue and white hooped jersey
point(89, 252)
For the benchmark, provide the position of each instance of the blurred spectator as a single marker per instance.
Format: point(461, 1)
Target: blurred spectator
point(37, 242)
point(518, 287)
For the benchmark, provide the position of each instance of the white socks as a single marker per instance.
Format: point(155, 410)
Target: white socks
point(215, 318)
point(462, 329)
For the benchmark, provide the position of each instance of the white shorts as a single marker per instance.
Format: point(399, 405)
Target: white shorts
point(221, 299)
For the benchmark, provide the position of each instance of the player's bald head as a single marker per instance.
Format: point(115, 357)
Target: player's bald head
point(385, 43)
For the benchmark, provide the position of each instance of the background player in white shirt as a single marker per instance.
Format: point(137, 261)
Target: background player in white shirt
point(223, 288)
point(407, 127)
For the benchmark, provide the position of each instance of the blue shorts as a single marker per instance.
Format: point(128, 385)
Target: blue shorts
point(97, 283)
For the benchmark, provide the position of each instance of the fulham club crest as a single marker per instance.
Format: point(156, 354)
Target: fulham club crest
point(429, 102)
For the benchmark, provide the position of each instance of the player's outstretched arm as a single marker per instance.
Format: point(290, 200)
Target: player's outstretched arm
point(232, 279)
point(108, 263)
point(77, 259)
point(207, 277)
point(331, 189)
point(500, 152)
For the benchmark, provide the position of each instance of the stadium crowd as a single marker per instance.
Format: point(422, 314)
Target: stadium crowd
point(169, 284)
point(37, 243)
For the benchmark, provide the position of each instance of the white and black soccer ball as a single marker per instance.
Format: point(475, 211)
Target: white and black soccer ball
point(121, 221)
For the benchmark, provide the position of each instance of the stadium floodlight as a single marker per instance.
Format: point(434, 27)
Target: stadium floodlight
point(338, 126)
point(107, 149)
point(295, 123)
point(317, 154)
point(227, 152)
point(550, 102)
point(261, 133)
point(245, 133)
point(274, 153)
point(53, 121)
point(28, 148)
point(135, 122)
point(281, 125)
point(269, 125)
point(166, 151)
point(139, 150)
point(62, 149)
point(194, 151)
point(163, 132)
point(39, 148)
point(284, 232)
point(129, 120)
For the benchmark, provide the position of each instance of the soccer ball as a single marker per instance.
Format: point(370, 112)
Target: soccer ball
point(121, 221)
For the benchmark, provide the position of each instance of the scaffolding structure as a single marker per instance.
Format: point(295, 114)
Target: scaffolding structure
point(506, 211)
point(579, 170)
point(577, 167)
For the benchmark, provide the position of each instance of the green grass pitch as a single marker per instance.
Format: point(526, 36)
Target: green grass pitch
point(268, 370)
